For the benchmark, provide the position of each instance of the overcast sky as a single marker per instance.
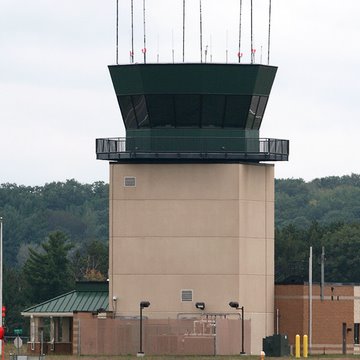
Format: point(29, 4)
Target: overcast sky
point(56, 94)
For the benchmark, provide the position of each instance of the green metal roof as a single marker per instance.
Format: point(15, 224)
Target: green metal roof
point(74, 301)
point(187, 78)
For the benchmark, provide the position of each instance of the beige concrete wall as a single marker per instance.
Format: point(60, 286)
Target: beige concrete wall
point(356, 304)
point(205, 227)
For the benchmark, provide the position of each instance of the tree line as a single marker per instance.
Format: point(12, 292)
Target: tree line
point(31, 213)
point(58, 233)
point(322, 212)
point(326, 200)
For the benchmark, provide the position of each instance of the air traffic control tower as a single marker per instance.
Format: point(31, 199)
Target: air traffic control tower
point(191, 197)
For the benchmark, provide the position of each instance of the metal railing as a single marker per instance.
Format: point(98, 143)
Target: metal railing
point(242, 148)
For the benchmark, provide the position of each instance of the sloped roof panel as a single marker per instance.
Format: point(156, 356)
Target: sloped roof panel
point(81, 301)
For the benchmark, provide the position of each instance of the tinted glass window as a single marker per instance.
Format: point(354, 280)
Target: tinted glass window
point(161, 110)
point(127, 112)
point(252, 112)
point(187, 110)
point(237, 108)
point(260, 112)
point(213, 110)
point(142, 115)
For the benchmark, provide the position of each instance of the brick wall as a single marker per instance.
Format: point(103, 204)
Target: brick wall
point(328, 315)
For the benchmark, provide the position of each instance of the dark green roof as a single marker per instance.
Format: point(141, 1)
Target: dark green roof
point(74, 301)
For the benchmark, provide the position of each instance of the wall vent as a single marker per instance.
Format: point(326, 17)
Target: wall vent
point(186, 295)
point(129, 181)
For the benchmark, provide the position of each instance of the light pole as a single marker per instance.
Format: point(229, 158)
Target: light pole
point(1, 282)
point(235, 305)
point(143, 304)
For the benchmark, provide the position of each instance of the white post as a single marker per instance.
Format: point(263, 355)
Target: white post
point(310, 299)
point(52, 333)
point(32, 332)
point(1, 275)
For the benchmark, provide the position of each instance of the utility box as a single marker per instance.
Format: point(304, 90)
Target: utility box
point(276, 345)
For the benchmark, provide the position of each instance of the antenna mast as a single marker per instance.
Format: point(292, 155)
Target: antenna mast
point(268, 60)
point(158, 49)
point(252, 37)
point(201, 45)
point(132, 32)
point(239, 53)
point(183, 55)
point(144, 49)
point(172, 46)
point(227, 47)
point(117, 32)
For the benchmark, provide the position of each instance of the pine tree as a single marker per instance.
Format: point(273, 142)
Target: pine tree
point(48, 272)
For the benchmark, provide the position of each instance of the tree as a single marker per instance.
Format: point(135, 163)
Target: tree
point(31, 213)
point(342, 247)
point(327, 200)
point(48, 272)
point(290, 250)
point(14, 299)
point(91, 262)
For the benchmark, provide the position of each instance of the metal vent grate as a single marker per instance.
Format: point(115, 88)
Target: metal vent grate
point(186, 295)
point(129, 181)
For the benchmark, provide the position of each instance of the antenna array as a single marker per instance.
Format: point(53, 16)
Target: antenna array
point(240, 54)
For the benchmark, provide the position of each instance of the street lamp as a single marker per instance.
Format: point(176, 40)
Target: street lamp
point(200, 305)
point(235, 305)
point(143, 304)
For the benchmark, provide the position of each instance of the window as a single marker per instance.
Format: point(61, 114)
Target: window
point(260, 112)
point(187, 108)
point(356, 333)
point(212, 110)
point(161, 110)
point(142, 116)
point(237, 108)
point(252, 112)
point(127, 111)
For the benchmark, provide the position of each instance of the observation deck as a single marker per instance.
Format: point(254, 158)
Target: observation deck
point(192, 113)
point(186, 149)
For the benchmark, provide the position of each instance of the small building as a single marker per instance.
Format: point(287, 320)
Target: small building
point(335, 315)
point(79, 323)
point(54, 324)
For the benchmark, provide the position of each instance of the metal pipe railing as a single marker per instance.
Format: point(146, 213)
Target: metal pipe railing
point(192, 144)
